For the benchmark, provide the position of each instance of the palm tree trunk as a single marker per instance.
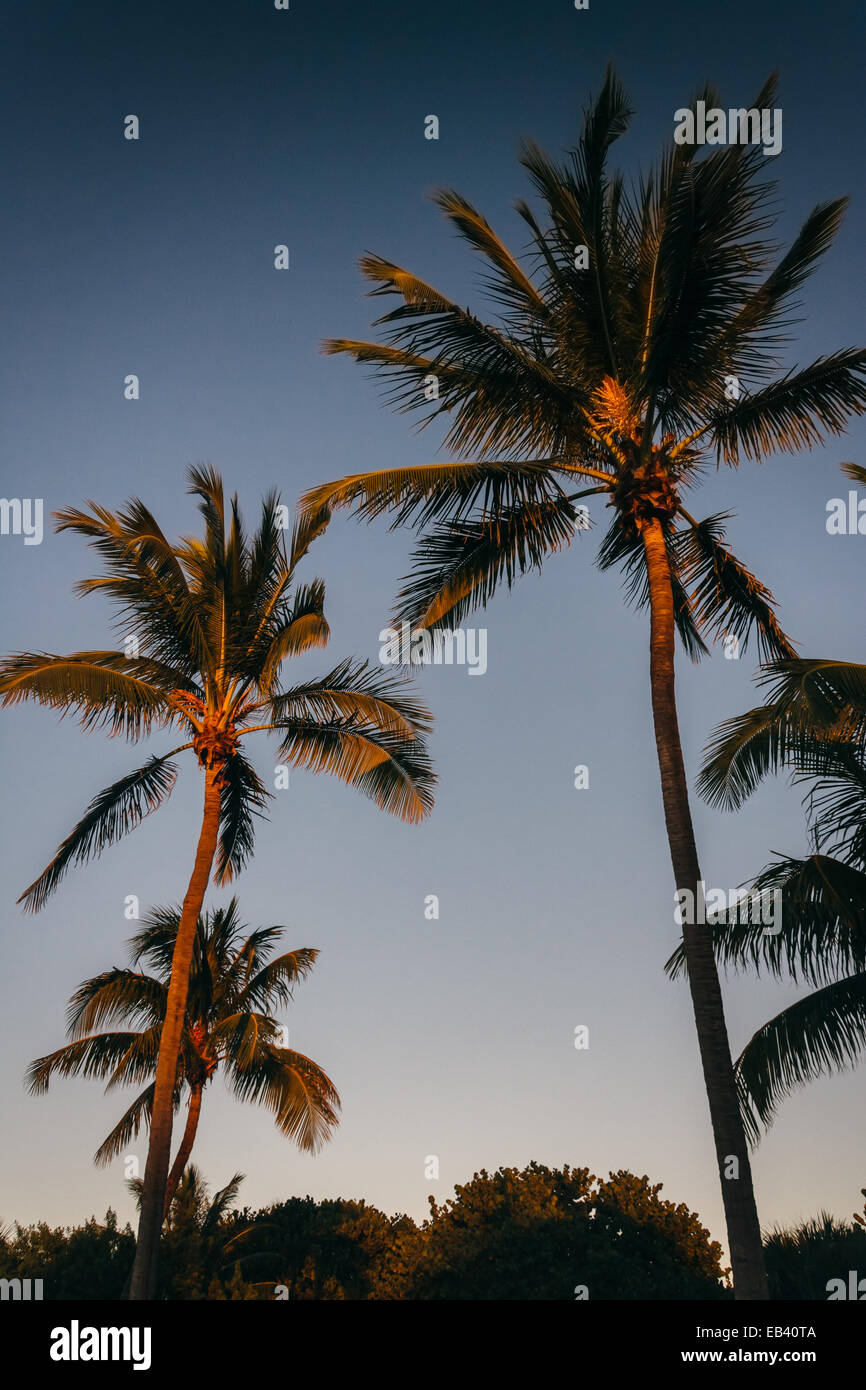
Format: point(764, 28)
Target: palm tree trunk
point(143, 1283)
point(744, 1232)
point(182, 1156)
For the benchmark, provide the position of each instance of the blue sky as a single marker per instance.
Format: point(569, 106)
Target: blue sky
point(451, 1037)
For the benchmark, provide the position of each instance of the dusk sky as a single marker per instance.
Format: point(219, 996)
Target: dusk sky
point(453, 1037)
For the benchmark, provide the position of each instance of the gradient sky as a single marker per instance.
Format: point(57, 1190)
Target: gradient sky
point(452, 1037)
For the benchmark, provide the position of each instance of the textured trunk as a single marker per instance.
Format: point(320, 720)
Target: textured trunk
point(744, 1232)
point(143, 1282)
point(186, 1143)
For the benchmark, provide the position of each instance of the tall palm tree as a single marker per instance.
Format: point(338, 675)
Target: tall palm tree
point(212, 621)
point(234, 986)
point(814, 725)
point(635, 341)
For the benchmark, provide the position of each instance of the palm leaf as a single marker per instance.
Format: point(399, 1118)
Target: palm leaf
point(725, 597)
point(809, 698)
point(126, 1129)
point(435, 491)
point(116, 995)
point(393, 772)
point(796, 412)
point(145, 579)
point(301, 1097)
point(355, 691)
point(91, 1056)
point(243, 797)
point(510, 285)
point(274, 983)
point(104, 689)
point(818, 1036)
point(823, 917)
point(458, 566)
point(110, 815)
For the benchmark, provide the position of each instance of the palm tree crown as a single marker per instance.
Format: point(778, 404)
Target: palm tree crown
point(235, 985)
point(209, 623)
point(628, 369)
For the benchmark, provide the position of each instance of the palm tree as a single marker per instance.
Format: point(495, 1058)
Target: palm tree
point(233, 987)
point(637, 339)
point(212, 621)
point(199, 1236)
point(813, 724)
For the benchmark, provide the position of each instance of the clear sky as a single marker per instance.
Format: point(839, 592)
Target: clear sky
point(452, 1037)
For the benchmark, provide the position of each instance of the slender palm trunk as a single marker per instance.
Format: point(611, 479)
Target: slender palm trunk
point(744, 1232)
point(143, 1283)
point(182, 1156)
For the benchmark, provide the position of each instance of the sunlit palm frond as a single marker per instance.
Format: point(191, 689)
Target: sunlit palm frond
point(436, 491)
point(301, 1097)
point(394, 772)
point(115, 996)
point(103, 689)
point(355, 690)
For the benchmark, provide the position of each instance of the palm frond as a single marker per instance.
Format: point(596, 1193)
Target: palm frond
point(509, 284)
point(725, 597)
point(744, 341)
point(355, 690)
point(822, 923)
point(303, 627)
point(104, 689)
point(220, 1204)
point(436, 491)
point(274, 983)
point(243, 798)
point(458, 566)
point(117, 996)
point(303, 1100)
point(809, 698)
point(126, 1129)
point(796, 412)
point(817, 1036)
point(97, 1056)
point(110, 815)
point(392, 770)
point(145, 579)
